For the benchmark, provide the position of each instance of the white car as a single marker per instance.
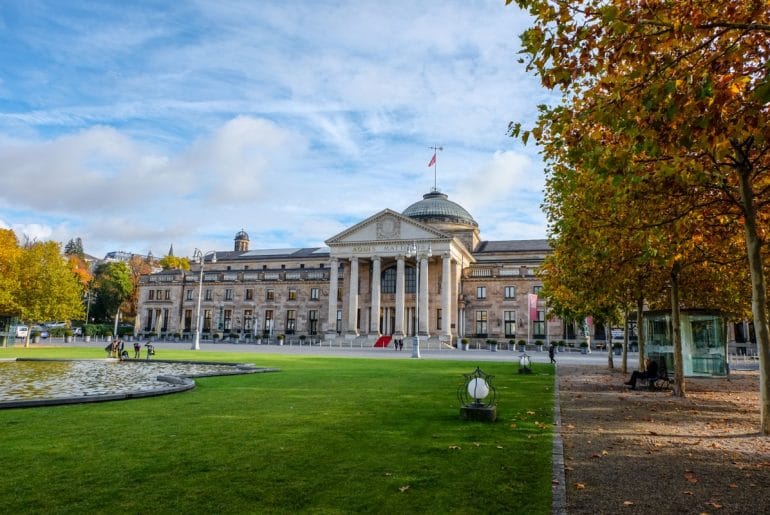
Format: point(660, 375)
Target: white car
point(22, 331)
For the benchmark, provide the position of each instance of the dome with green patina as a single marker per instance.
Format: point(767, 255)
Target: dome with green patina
point(436, 207)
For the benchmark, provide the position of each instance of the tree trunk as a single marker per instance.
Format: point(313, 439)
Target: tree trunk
point(608, 344)
point(640, 329)
point(758, 290)
point(676, 333)
point(624, 359)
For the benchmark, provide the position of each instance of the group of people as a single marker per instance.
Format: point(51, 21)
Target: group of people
point(398, 344)
point(116, 349)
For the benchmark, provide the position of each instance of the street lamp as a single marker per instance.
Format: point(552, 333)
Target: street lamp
point(412, 252)
point(200, 256)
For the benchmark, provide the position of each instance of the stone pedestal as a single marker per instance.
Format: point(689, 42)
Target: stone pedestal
point(478, 412)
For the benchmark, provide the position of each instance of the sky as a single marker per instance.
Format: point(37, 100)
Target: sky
point(140, 125)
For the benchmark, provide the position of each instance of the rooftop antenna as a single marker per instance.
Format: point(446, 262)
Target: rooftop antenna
point(434, 164)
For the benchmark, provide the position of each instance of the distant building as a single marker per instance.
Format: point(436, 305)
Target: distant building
point(363, 284)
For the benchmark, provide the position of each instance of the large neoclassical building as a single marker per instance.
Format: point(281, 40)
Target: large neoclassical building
point(425, 270)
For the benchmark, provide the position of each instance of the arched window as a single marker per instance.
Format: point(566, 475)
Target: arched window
point(388, 283)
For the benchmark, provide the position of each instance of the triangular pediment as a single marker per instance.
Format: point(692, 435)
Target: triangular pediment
point(387, 225)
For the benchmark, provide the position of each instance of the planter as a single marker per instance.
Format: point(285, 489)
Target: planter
point(35, 339)
point(493, 348)
point(68, 339)
point(87, 338)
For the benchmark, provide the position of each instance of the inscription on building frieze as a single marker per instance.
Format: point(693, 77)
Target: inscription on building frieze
point(384, 249)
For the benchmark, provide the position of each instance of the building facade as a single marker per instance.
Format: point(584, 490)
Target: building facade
point(424, 271)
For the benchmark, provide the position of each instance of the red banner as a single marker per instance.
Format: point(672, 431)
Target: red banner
point(532, 300)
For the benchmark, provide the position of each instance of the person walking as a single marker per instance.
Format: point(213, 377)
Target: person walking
point(551, 353)
point(137, 350)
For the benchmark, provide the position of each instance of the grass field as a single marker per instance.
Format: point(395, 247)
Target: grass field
point(323, 435)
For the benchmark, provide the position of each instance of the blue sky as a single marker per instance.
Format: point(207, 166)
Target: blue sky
point(138, 125)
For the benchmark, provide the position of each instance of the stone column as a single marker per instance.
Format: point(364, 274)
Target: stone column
point(423, 309)
point(446, 296)
point(353, 298)
point(398, 330)
point(374, 322)
point(333, 285)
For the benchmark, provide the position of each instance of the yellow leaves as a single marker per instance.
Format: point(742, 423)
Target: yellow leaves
point(403, 489)
point(580, 486)
point(454, 448)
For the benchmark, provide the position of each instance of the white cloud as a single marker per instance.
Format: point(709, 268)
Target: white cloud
point(136, 128)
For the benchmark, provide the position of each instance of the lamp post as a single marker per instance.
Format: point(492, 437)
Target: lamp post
point(413, 252)
point(200, 256)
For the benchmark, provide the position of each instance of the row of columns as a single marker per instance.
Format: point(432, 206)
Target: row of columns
point(399, 329)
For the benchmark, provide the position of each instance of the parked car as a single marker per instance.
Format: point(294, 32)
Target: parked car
point(40, 330)
point(22, 331)
point(77, 331)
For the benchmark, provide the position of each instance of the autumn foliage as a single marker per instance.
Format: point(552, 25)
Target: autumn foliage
point(658, 153)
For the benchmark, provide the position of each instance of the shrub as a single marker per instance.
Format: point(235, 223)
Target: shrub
point(538, 342)
point(521, 342)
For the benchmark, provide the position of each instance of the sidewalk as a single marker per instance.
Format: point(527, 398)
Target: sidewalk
point(648, 452)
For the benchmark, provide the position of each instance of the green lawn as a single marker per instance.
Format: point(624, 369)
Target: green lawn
point(324, 435)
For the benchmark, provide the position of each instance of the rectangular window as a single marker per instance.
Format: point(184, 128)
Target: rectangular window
point(207, 296)
point(481, 292)
point(509, 319)
point(314, 293)
point(228, 319)
point(481, 324)
point(510, 292)
point(249, 294)
point(187, 320)
point(536, 289)
point(339, 294)
point(267, 329)
point(438, 319)
point(270, 295)
point(312, 318)
point(188, 294)
point(206, 320)
point(247, 320)
point(538, 325)
point(151, 295)
point(167, 295)
point(148, 322)
point(291, 321)
point(228, 294)
point(339, 321)
point(292, 294)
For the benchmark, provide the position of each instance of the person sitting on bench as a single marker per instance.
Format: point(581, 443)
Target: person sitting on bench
point(651, 372)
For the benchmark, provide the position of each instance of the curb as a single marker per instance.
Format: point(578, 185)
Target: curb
point(559, 482)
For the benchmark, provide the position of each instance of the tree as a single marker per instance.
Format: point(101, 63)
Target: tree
point(10, 253)
point(682, 85)
point(172, 262)
point(74, 248)
point(49, 290)
point(113, 287)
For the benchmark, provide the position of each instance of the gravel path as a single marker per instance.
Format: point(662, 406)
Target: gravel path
point(649, 452)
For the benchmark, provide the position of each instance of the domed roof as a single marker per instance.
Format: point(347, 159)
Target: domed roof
point(436, 206)
point(241, 235)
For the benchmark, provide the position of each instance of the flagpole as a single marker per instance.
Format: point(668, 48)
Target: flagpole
point(434, 162)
